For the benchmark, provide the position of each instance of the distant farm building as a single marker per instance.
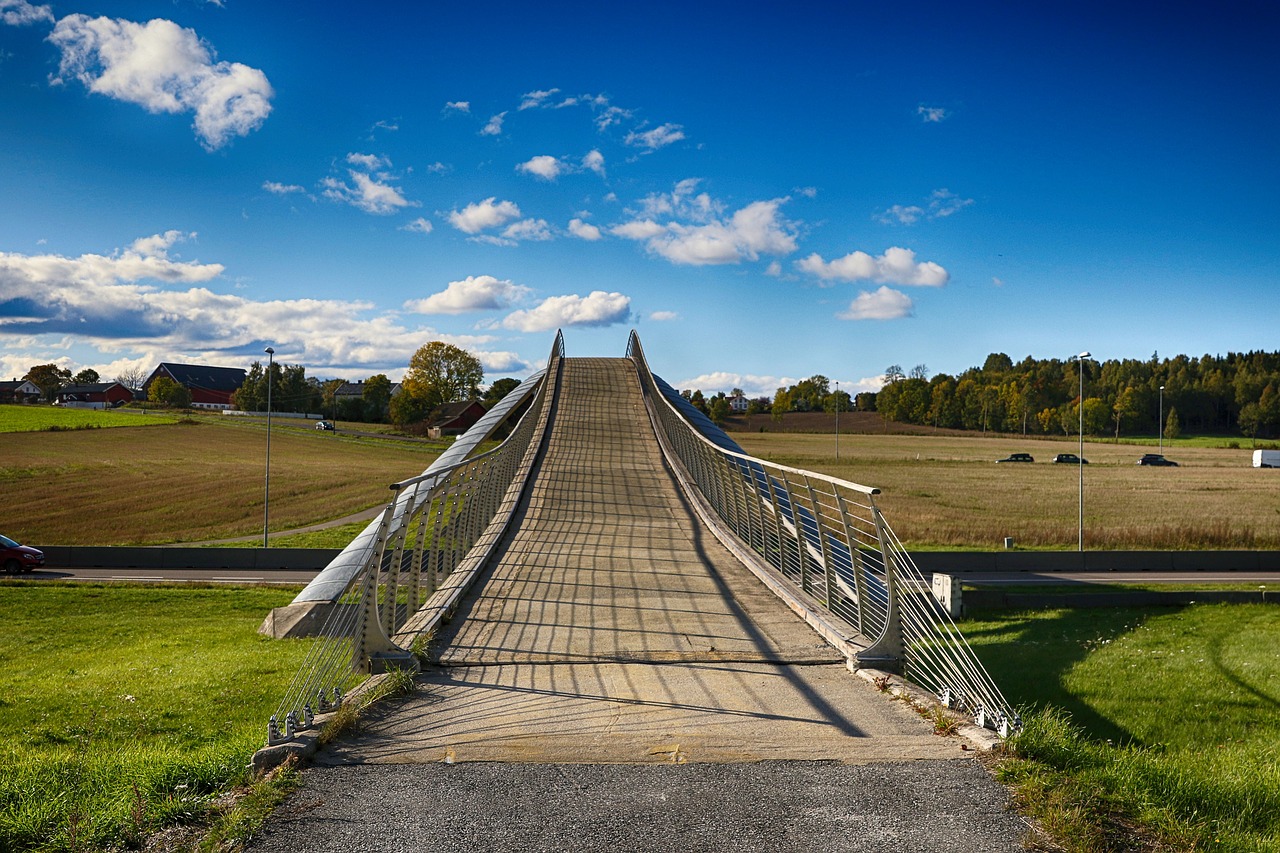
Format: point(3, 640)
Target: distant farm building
point(99, 395)
point(210, 387)
point(454, 418)
point(19, 391)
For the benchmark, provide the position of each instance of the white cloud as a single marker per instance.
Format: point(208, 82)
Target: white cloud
point(901, 214)
point(139, 301)
point(502, 362)
point(774, 269)
point(942, 203)
point(478, 216)
point(418, 226)
point(895, 266)
point(368, 162)
point(473, 293)
point(457, 106)
point(583, 230)
point(536, 99)
point(528, 229)
point(596, 309)
point(163, 68)
point(610, 116)
point(542, 166)
point(883, 304)
point(751, 231)
point(594, 161)
point(753, 385)
point(282, 189)
point(663, 316)
point(367, 193)
point(19, 13)
point(932, 114)
point(656, 138)
point(494, 125)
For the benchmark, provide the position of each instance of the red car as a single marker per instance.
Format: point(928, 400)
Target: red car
point(19, 558)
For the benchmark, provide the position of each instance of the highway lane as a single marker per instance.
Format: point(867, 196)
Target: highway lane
point(282, 577)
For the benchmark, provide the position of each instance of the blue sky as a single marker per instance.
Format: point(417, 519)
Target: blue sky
point(764, 191)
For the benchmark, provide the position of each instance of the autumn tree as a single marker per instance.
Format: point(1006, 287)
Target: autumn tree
point(495, 392)
point(88, 376)
point(48, 378)
point(438, 373)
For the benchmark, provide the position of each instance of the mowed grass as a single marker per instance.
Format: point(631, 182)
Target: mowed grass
point(39, 418)
point(191, 481)
point(1157, 722)
point(127, 708)
point(948, 491)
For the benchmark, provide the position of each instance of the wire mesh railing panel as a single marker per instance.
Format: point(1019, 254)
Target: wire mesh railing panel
point(426, 532)
point(827, 539)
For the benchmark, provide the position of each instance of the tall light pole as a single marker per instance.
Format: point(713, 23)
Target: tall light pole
point(1079, 359)
point(266, 501)
point(839, 406)
point(1160, 423)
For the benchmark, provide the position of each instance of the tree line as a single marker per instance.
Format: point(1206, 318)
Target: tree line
point(1238, 393)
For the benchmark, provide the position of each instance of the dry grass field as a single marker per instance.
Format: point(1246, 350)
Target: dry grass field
point(947, 492)
point(189, 482)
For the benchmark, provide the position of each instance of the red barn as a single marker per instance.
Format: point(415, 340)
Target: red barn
point(99, 395)
point(210, 387)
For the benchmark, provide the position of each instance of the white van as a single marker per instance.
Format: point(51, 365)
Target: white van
point(1266, 459)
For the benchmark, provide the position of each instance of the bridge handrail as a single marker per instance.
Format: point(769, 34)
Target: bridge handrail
point(826, 539)
point(430, 543)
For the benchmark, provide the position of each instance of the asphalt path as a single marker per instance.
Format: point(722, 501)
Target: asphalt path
point(818, 806)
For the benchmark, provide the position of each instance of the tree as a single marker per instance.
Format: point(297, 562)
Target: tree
point(1171, 427)
point(498, 390)
point(718, 410)
point(1124, 408)
point(48, 378)
point(88, 376)
point(132, 378)
point(438, 373)
point(920, 371)
point(377, 397)
point(781, 404)
point(699, 402)
point(166, 392)
point(893, 373)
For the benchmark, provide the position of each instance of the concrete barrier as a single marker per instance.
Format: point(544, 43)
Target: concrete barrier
point(178, 557)
point(962, 562)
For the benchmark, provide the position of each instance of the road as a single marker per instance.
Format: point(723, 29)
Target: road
point(289, 577)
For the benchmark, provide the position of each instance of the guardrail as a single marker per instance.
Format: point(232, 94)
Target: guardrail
point(828, 541)
point(432, 539)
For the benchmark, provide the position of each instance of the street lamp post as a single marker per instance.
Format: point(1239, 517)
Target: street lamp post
point(1079, 359)
point(839, 405)
point(266, 501)
point(1160, 423)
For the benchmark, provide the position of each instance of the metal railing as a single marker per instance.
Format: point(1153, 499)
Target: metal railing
point(827, 540)
point(432, 538)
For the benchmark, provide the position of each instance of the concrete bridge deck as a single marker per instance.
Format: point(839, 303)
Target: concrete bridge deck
point(613, 629)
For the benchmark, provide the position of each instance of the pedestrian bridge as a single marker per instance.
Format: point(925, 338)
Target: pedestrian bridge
point(615, 527)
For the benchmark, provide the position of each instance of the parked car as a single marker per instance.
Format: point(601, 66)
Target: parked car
point(1018, 457)
point(19, 558)
point(327, 425)
point(1156, 459)
point(1070, 459)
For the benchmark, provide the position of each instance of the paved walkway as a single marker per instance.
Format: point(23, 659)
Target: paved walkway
point(615, 631)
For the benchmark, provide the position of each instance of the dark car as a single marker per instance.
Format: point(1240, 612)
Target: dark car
point(1070, 459)
point(1156, 459)
point(1018, 457)
point(325, 425)
point(19, 558)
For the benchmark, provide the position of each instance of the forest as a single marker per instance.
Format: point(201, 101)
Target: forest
point(1236, 394)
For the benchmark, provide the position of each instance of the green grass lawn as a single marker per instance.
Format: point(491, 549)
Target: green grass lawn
point(50, 418)
point(1159, 721)
point(127, 708)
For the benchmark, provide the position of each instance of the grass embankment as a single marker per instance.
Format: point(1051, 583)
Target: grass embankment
point(51, 419)
point(1156, 724)
point(192, 481)
point(947, 492)
point(129, 708)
